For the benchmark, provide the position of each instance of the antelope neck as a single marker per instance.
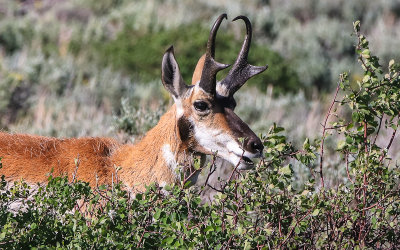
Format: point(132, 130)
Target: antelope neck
point(155, 158)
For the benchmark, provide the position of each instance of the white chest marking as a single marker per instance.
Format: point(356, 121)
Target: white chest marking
point(169, 157)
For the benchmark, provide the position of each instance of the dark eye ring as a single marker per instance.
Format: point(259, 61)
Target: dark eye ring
point(200, 106)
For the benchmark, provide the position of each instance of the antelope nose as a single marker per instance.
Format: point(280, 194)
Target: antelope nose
point(256, 144)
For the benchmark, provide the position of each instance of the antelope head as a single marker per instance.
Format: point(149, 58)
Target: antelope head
point(205, 114)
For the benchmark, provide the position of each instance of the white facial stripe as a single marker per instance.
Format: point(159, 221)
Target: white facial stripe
point(215, 140)
point(211, 139)
point(179, 108)
point(238, 150)
point(200, 88)
point(178, 102)
point(169, 158)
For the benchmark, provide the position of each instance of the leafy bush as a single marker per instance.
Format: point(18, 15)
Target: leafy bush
point(140, 53)
point(137, 121)
point(314, 35)
point(260, 208)
point(51, 91)
point(13, 35)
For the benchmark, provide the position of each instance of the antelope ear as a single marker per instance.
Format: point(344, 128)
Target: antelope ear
point(171, 76)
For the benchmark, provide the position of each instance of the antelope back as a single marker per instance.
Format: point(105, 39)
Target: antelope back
point(32, 157)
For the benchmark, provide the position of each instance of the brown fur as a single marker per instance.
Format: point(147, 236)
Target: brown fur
point(31, 157)
point(145, 159)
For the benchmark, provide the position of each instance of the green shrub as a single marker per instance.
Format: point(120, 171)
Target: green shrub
point(137, 121)
point(139, 54)
point(13, 36)
point(314, 35)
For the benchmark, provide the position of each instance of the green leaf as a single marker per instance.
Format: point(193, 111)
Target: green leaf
point(157, 214)
point(169, 240)
point(366, 78)
point(341, 145)
point(278, 129)
point(306, 144)
point(2, 235)
point(280, 147)
point(209, 229)
point(355, 117)
point(356, 25)
point(297, 230)
point(366, 52)
point(285, 170)
point(315, 212)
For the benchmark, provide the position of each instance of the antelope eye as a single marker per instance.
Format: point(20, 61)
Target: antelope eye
point(200, 106)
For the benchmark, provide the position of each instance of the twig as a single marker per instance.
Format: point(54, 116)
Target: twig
point(336, 127)
point(144, 230)
point(390, 142)
point(379, 128)
point(190, 175)
point(294, 226)
point(391, 139)
point(279, 225)
point(233, 171)
point(74, 174)
point(361, 234)
point(324, 132)
point(215, 189)
point(212, 170)
point(372, 206)
point(192, 171)
point(365, 140)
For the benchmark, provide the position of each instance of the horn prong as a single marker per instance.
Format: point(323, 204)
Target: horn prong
point(244, 52)
point(211, 67)
point(241, 70)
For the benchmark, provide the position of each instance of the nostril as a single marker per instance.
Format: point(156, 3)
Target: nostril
point(257, 145)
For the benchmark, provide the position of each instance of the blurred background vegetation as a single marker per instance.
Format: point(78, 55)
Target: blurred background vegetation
point(92, 68)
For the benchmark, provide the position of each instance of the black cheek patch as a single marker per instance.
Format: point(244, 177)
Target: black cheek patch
point(185, 128)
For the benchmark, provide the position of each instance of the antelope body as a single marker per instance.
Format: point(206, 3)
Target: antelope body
point(202, 121)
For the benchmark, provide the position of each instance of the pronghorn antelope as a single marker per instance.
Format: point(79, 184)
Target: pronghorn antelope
point(201, 121)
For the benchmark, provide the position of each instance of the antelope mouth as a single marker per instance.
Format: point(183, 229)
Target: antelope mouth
point(243, 160)
point(247, 160)
point(245, 163)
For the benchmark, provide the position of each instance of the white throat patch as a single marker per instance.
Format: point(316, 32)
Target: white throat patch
point(169, 158)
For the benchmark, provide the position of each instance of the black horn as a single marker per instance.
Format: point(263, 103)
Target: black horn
point(241, 70)
point(211, 67)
